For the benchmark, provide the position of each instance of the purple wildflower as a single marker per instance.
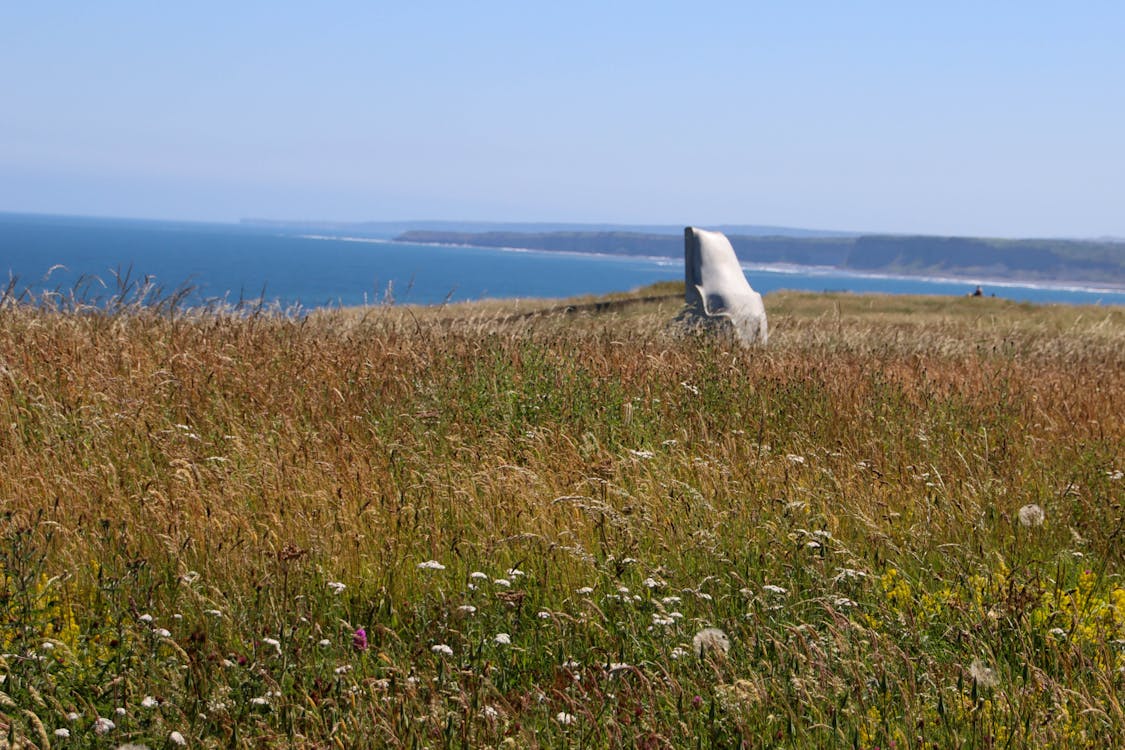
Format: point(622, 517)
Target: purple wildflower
point(359, 639)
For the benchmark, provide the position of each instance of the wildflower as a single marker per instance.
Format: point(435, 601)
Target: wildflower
point(336, 586)
point(177, 739)
point(690, 388)
point(515, 573)
point(73, 716)
point(359, 639)
point(273, 642)
point(478, 576)
point(62, 733)
point(671, 600)
point(710, 640)
point(119, 711)
point(146, 618)
point(1031, 515)
point(794, 459)
point(343, 669)
point(679, 652)
point(431, 565)
point(642, 454)
point(843, 602)
point(659, 619)
point(585, 591)
point(103, 726)
point(467, 609)
point(623, 589)
point(503, 639)
point(190, 577)
point(565, 719)
point(441, 648)
point(490, 713)
point(544, 615)
point(775, 589)
point(213, 612)
point(324, 642)
point(846, 573)
point(163, 632)
point(148, 702)
point(503, 582)
point(260, 701)
point(652, 583)
point(982, 675)
point(1058, 633)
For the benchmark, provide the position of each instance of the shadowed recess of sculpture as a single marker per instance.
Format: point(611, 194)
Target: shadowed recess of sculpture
point(716, 292)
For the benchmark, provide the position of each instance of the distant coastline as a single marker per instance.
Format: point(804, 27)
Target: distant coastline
point(90, 259)
point(1087, 262)
point(1100, 263)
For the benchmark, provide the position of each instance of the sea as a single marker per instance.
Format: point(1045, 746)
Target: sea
point(95, 260)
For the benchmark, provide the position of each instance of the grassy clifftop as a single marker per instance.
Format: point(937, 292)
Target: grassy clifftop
point(467, 526)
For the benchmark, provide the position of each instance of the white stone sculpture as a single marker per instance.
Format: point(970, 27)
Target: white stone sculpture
point(716, 291)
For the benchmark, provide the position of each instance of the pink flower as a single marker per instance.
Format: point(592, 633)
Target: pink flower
point(359, 639)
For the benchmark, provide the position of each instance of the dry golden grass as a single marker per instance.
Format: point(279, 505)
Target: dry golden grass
point(872, 462)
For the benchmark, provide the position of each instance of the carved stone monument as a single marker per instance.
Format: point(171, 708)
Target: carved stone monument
point(716, 291)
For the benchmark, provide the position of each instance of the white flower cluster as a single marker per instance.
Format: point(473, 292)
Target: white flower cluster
point(1031, 515)
point(710, 642)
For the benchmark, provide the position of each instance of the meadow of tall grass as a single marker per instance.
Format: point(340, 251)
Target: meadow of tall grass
point(899, 525)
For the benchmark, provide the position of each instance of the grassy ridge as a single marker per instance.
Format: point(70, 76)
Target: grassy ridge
point(533, 520)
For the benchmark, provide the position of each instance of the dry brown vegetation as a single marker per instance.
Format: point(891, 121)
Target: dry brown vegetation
point(845, 504)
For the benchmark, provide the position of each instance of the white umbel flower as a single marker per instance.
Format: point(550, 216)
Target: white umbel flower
point(1031, 515)
point(983, 675)
point(710, 641)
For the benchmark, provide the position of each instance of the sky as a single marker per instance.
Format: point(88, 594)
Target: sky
point(999, 119)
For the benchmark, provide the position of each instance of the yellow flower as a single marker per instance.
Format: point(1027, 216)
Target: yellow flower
point(897, 589)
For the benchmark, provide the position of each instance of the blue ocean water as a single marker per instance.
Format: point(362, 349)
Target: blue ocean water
point(233, 262)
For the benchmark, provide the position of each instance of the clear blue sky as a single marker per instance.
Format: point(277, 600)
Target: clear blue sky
point(995, 118)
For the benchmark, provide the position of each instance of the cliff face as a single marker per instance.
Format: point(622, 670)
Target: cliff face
point(1044, 259)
